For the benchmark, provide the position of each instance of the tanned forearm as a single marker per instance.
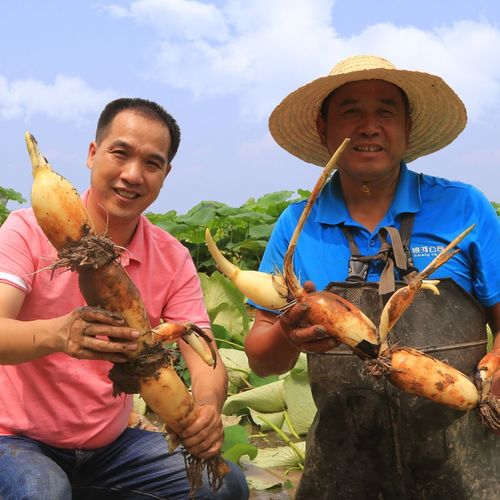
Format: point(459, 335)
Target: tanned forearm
point(209, 385)
point(22, 341)
point(268, 351)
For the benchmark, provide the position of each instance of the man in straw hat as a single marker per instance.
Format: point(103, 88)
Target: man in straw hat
point(370, 440)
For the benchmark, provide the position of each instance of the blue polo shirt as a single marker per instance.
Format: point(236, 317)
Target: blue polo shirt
point(442, 209)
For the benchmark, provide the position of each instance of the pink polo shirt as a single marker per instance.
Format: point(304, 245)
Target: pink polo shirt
point(60, 400)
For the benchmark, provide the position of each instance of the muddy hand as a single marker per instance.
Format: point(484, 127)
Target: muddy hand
point(204, 437)
point(488, 374)
point(93, 333)
point(305, 338)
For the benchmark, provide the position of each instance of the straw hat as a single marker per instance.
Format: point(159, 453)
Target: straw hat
point(438, 115)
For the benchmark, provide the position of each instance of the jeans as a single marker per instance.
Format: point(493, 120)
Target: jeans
point(136, 466)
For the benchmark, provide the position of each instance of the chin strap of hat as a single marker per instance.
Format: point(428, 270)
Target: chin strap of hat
point(394, 251)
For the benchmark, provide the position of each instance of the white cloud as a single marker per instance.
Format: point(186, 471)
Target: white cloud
point(115, 10)
point(67, 98)
point(184, 19)
point(262, 52)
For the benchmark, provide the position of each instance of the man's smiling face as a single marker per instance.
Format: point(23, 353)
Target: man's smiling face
point(128, 165)
point(373, 114)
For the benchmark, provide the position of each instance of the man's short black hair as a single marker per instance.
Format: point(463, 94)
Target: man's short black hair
point(147, 108)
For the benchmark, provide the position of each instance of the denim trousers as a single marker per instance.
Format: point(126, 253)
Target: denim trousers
point(136, 466)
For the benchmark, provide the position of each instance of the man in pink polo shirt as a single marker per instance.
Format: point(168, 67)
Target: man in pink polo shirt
point(63, 434)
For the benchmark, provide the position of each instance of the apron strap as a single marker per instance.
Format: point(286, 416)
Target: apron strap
point(394, 251)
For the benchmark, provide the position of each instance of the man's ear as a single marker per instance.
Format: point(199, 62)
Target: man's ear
point(321, 128)
point(91, 154)
point(408, 130)
point(167, 170)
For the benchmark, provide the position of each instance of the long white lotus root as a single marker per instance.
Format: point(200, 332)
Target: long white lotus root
point(422, 375)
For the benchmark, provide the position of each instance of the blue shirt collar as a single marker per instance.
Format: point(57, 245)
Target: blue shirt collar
point(332, 209)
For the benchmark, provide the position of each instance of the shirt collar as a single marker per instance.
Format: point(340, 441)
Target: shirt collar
point(406, 199)
point(136, 246)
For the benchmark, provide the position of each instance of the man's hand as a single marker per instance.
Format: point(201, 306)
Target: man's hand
point(489, 368)
point(204, 437)
point(492, 359)
point(93, 333)
point(274, 343)
point(305, 337)
point(487, 376)
point(495, 389)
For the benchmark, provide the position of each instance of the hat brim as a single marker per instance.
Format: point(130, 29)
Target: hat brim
point(437, 113)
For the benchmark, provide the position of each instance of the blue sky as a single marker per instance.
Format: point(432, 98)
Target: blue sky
point(220, 68)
